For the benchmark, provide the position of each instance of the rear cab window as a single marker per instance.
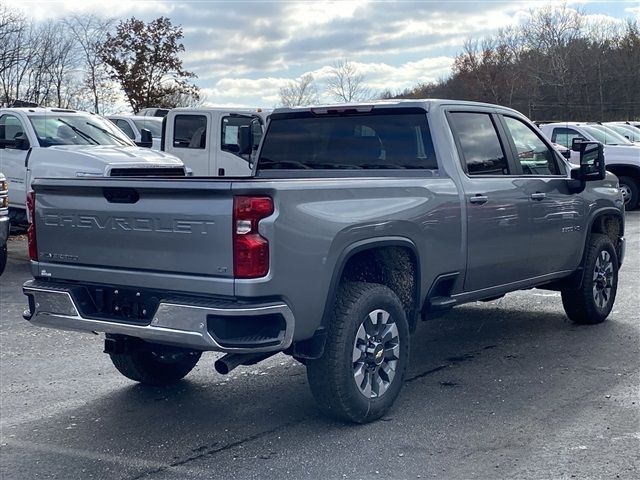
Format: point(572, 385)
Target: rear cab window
point(378, 139)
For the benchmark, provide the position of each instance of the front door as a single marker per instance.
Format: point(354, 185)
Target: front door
point(12, 161)
point(556, 215)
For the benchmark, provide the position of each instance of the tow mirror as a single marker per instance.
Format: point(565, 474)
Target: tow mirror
point(575, 143)
point(146, 140)
point(245, 143)
point(591, 161)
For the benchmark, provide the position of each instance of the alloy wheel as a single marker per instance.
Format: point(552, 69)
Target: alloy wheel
point(376, 350)
point(603, 279)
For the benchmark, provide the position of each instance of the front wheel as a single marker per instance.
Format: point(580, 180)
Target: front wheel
point(362, 369)
point(593, 301)
point(155, 366)
point(630, 192)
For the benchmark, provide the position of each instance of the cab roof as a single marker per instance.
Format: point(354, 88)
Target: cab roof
point(44, 111)
point(425, 103)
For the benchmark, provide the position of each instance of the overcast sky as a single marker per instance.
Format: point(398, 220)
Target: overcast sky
point(244, 51)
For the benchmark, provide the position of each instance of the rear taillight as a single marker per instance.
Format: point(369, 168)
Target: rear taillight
point(250, 249)
point(31, 231)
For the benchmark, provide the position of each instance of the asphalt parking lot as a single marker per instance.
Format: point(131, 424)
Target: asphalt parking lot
point(506, 389)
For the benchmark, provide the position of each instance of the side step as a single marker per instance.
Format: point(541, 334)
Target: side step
point(437, 304)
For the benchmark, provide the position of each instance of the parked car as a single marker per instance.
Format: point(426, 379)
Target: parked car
point(361, 219)
point(143, 131)
point(53, 142)
point(621, 156)
point(207, 139)
point(629, 132)
point(4, 221)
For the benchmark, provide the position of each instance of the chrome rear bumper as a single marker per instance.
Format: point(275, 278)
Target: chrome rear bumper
point(182, 325)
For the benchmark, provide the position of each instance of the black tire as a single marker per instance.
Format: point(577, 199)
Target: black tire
point(332, 377)
point(631, 192)
point(3, 258)
point(151, 367)
point(583, 305)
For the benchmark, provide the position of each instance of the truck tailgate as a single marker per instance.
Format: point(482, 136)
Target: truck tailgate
point(159, 226)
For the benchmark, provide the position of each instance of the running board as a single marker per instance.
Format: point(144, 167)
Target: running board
point(437, 306)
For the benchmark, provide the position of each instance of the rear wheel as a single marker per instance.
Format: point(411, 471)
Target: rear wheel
point(362, 369)
point(630, 192)
point(593, 301)
point(155, 365)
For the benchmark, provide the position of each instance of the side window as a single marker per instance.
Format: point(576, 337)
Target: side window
point(481, 148)
point(11, 129)
point(564, 136)
point(533, 155)
point(126, 128)
point(230, 130)
point(190, 131)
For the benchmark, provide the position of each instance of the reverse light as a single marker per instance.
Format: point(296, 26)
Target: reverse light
point(31, 231)
point(250, 249)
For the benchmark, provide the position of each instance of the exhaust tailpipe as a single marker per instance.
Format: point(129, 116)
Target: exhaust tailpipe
point(232, 360)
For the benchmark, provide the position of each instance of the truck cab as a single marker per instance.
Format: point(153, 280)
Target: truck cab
point(208, 140)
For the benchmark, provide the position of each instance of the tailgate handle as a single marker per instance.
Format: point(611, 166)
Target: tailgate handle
point(121, 195)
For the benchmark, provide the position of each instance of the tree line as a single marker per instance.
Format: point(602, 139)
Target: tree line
point(88, 63)
point(556, 66)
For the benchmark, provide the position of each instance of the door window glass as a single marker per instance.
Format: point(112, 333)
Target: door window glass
point(190, 131)
point(564, 136)
point(481, 148)
point(533, 155)
point(126, 128)
point(10, 129)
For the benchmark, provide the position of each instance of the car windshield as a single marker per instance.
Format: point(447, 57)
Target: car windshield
point(605, 135)
point(64, 129)
point(627, 131)
point(153, 124)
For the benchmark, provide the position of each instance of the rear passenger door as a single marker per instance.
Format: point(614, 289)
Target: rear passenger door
point(188, 137)
point(497, 213)
point(556, 215)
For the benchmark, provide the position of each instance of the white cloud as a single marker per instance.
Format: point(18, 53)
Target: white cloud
point(264, 92)
point(45, 10)
point(634, 11)
point(244, 51)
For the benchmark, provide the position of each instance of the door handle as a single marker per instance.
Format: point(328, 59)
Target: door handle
point(479, 199)
point(538, 196)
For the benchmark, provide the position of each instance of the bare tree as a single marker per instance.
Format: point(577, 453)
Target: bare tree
point(91, 32)
point(302, 91)
point(346, 83)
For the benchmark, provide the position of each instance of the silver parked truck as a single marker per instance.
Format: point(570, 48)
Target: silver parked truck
point(359, 220)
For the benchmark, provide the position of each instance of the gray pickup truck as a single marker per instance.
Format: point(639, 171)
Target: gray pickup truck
point(359, 220)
